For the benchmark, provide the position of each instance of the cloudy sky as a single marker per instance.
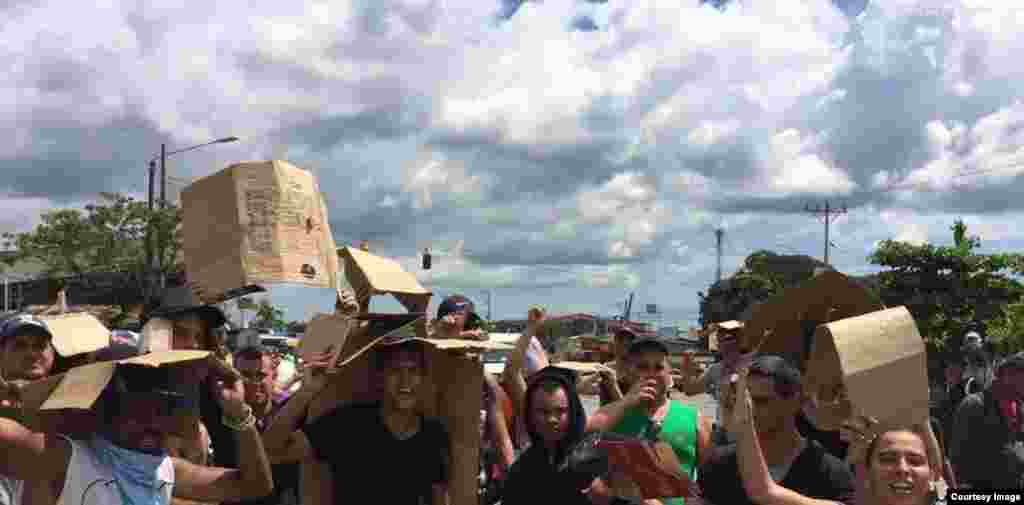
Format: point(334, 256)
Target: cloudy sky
point(564, 153)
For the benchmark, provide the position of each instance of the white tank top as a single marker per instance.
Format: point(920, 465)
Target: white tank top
point(88, 482)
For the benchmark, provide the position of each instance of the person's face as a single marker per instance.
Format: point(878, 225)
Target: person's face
point(27, 356)
point(652, 365)
point(975, 368)
point(259, 376)
point(188, 333)
point(402, 379)
point(774, 410)
point(899, 472)
point(141, 422)
point(549, 413)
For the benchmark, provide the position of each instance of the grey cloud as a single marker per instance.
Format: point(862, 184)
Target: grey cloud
point(578, 251)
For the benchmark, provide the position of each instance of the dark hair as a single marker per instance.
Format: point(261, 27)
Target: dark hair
point(255, 352)
point(383, 355)
point(782, 371)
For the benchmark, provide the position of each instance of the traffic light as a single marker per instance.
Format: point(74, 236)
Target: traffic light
point(426, 259)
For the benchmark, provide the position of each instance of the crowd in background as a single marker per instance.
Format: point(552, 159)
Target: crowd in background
point(253, 443)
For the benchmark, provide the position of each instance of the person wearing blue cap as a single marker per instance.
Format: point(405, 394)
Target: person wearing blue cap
point(27, 349)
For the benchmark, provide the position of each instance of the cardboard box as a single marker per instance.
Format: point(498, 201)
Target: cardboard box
point(880, 360)
point(452, 390)
point(61, 402)
point(785, 323)
point(252, 223)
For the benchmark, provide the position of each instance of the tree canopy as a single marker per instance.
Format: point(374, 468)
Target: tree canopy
point(107, 236)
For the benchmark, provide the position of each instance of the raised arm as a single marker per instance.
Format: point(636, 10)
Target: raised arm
point(251, 480)
point(757, 482)
point(24, 454)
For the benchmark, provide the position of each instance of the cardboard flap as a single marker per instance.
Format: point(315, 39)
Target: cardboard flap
point(324, 332)
point(76, 333)
point(80, 387)
point(785, 323)
point(374, 275)
point(581, 367)
point(880, 359)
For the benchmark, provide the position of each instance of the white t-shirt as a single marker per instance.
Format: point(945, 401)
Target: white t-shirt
point(10, 490)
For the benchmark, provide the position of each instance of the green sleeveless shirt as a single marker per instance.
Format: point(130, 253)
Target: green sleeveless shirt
point(678, 430)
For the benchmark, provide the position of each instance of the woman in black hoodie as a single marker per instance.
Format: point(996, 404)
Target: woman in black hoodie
point(560, 466)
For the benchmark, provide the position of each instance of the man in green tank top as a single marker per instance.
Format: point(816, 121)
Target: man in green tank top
point(647, 411)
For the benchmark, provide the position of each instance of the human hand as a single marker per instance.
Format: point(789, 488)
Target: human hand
point(535, 318)
point(742, 404)
point(599, 493)
point(319, 366)
point(642, 393)
point(231, 396)
point(858, 431)
point(346, 304)
point(11, 393)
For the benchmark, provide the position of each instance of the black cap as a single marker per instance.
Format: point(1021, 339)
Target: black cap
point(647, 344)
point(785, 374)
point(176, 303)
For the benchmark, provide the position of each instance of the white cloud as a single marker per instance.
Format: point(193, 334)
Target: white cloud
point(431, 175)
point(794, 166)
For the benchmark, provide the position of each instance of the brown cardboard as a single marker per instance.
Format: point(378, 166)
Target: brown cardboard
point(324, 332)
point(880, 360)
point(76, 333)
point(258, 222)
point(370, 275)
point(781, 324)
point(62, 403)
point(729, 325)
point(580, 367)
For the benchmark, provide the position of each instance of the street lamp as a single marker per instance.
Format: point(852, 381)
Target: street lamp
point(163, 189)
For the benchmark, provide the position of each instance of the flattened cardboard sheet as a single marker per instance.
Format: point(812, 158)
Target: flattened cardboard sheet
point(785, 323)
point(880, 359)
point(76, 333)
point(80, 387)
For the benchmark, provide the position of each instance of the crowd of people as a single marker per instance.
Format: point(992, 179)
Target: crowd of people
point(252, 442)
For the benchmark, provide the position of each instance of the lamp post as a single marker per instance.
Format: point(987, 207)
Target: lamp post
point(151, 267)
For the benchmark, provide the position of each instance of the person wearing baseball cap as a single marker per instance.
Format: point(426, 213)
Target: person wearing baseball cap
point(26, 348)
point(647, 411)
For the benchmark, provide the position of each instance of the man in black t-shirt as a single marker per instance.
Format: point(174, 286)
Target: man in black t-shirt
point(386, 450)
point(794, 462)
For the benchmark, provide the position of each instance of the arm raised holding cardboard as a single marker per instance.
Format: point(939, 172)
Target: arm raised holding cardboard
point(252, 479)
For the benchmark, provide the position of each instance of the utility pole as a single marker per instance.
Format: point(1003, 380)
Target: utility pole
point(828, 213)
point(718, 249)
point(489, 294)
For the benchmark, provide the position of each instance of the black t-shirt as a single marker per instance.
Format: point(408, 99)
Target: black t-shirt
point(815, 473)
point(832, 441)
point(367, 460)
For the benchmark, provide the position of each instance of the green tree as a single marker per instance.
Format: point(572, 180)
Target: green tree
point(107, 236)
point(948, 289)
point(1006, 332)
point(270, 317)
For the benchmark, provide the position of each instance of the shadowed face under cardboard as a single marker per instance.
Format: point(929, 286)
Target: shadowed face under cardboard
point(28, 355)
point(402, 374)
point(139, 421)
